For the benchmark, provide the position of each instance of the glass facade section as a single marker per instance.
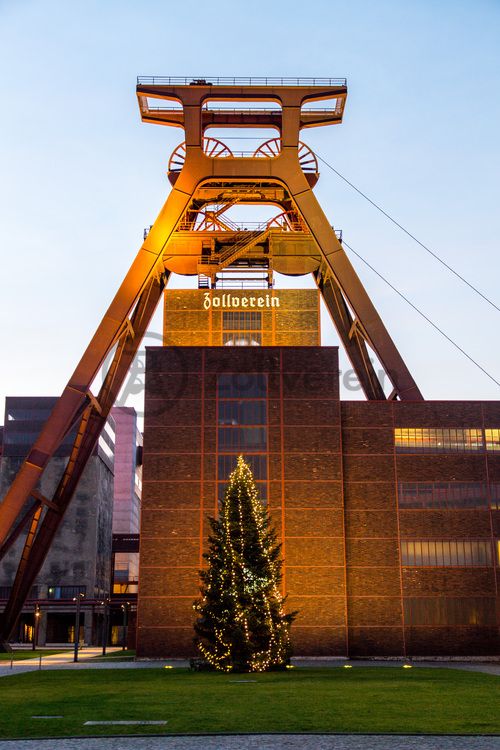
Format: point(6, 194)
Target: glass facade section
point(242, 426)
point(6, 590)
point(241, 385)
point(241, 439)
point(492, 439)
point(126, 573)
point(257, 463)
point(468, 553)
point(242, 328)
point(65, 592)
point(442, 495)
point(243, 412)
point(439, 611)
point(427, 440)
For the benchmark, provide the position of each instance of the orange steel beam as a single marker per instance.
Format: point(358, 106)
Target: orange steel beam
point(126, 319)
point(92, 421)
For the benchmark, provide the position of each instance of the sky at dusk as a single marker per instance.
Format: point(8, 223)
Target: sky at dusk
point(82, 176)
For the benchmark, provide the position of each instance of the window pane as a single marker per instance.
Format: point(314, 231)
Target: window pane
point(441, 611)
point(242, 438)
point(241, 385)
point(492, 439)
point(227, 463)
point(242, 412)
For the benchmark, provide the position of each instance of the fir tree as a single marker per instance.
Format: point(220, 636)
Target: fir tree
point(241, 623)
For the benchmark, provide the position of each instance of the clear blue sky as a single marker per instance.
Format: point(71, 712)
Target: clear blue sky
point(81, 176)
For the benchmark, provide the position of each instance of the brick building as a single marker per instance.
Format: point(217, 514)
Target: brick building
point(389, 512)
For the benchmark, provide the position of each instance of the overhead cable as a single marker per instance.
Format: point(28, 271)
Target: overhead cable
point(422, 314)
point(412, 236)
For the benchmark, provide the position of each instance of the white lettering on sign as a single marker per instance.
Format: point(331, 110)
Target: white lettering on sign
point(229, 300)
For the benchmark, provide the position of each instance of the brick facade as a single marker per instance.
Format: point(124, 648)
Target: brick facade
point(332, 485)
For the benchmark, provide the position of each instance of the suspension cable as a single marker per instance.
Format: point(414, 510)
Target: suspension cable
point(422, 314)
point(407, 232)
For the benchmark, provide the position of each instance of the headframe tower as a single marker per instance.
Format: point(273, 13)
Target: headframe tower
point(192, 235)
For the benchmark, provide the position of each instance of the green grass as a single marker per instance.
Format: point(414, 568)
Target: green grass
point(363, 699)
point(21, 654)
point(121, 655)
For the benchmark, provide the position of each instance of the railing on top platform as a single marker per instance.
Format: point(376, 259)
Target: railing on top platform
point(237, 81)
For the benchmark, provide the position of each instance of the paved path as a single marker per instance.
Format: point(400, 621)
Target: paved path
point(55, 661)
point(261, 742)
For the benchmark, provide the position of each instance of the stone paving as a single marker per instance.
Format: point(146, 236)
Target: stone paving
point(261, 742)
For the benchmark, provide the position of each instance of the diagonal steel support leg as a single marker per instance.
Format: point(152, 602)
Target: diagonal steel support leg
point(18, 529)
point(69, 407)
point(370, 326)
point(351, 337)
point(91, 424)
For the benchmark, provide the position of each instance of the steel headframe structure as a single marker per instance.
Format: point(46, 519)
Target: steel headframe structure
point(192, 236)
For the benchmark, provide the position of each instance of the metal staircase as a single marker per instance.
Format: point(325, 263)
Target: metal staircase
point(244, 242)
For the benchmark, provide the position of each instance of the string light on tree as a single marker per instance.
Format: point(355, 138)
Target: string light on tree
point(242, 625)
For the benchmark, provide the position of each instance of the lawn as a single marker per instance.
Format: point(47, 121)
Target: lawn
point(362, 699)
point(24, 653)
point(121, 655)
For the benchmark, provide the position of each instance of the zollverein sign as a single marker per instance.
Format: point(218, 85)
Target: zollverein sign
point(230, 301)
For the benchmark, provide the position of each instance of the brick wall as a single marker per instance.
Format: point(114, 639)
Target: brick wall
point(179, 489)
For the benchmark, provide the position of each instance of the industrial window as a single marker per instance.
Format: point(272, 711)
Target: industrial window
point(468, 553)
point(242, 412)
point(242, 426)
point(242, 321)
point(442, 495)
point(257, 463)
point(492, 439)
point(6, 590)
point(439, 611)
point(426, 440)
point(241, 439)
point(65, 592)
point(241, 385)
point(260, 486)
point(126, 573)
point(495, 495)
point(242, 328)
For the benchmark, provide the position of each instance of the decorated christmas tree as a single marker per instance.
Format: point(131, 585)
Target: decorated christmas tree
point(241, 625)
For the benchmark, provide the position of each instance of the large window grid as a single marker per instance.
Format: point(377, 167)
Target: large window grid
point(242, 328)
point(428, 440)
point(242, 427)
point(468, 553)
point(440, 611)
point(65, 592)
point(442, 495)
